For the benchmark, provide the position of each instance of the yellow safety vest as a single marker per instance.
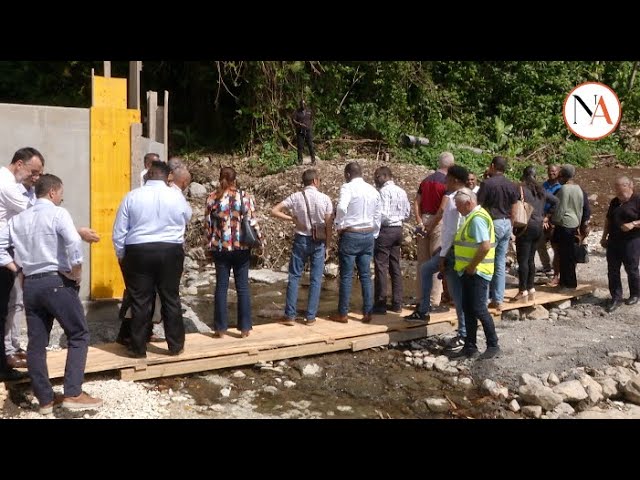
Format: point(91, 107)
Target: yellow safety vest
point(465, 247)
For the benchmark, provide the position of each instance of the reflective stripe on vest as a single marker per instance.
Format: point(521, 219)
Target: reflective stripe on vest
point(465, 247)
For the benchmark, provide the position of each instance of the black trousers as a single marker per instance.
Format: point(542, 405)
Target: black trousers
point(475, 291)
point(526, 245)
point(302, 136)
point(565, 238)
point(148, 267)
point(7, 278)
point(627, 253)
point(386, 260)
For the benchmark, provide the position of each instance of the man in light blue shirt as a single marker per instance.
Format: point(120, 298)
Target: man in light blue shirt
point(49, 249)
point(148, 237)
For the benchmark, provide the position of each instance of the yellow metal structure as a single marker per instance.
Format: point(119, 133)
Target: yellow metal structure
point(110, 178)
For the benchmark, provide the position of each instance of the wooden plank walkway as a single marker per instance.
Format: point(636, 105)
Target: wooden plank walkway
point(276, 342)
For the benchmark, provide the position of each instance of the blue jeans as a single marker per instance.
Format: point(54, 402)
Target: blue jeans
point(305, 248)
point(238, 260)
point(503, 234)
point(454, 285)
point(427, 270)
point(474, 304)
point(355, 248)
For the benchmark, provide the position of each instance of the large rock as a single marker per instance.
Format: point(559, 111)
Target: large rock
point(197, 190)
point(609, 386)
point(632, 390)
point(593, 389)
point(267, 276)
point(511, 315)
point(622, 359)
point(540, 395)
point(560, 305)
point(532, 411)
point(438, 405)
point(537, 312)
point(620, 374)
point(526, 379)
point(571, 391)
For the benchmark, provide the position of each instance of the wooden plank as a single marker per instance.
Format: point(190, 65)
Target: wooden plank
point(109, 92)
point(107, 69)
point(110, 182)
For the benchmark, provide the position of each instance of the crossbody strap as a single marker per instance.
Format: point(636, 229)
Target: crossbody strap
point(306, 202)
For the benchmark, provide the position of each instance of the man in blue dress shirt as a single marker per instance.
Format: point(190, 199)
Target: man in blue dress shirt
point(148, 237)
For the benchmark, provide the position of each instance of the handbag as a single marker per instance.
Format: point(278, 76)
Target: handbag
point(581, 251)
point(248, 232)
point(318, 230)
point(523, 211)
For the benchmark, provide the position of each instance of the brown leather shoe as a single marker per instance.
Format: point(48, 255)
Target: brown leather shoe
point(14, 361)
point(47, 409)
point(289, 322)
point(336, 317)
point(366, 318)
point(82, 402)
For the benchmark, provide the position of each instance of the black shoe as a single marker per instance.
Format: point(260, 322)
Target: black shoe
point(133, 354)
point(11, 375)
point(418, 317)
point(438, 309)
point(456, 344)
point(614, 305)
point(379, 310)
point(631, 301)
point(466, 352)
point(123, 341)
point(396, 309)
point(490, 352)
point(175, 352)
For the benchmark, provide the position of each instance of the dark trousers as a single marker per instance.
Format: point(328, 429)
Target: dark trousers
point(125, 323)
point(239, 261)
point(526, 246)
point(627, 253)
point(151, 267)
point(565, 238)
point(6, 284)
point(302, 136)
point(475, 290)
point(47, 298)
point(386, 258)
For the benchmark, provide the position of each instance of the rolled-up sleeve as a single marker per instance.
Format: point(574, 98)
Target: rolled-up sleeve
point(69, 233)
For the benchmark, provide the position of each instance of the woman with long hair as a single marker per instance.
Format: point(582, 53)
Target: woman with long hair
point(225, 211)
point(527, 237)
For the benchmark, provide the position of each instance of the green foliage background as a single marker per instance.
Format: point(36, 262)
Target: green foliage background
point(509, 107)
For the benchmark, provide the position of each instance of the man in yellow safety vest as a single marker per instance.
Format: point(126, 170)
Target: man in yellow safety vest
point(474, 249)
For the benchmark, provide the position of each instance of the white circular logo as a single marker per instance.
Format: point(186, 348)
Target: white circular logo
point(592, 111)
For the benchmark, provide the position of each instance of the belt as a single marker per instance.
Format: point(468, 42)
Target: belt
point(359, 230)
point(42, 275)
point(391, 226)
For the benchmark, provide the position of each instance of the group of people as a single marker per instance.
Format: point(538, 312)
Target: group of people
point(463, 234)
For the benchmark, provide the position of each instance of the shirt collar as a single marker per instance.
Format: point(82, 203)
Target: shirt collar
point(388, 182)
point(44, 201)
point(310, 187)
point(155, 183)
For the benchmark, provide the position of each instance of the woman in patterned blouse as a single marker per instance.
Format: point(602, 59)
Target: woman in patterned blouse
point(225, 210)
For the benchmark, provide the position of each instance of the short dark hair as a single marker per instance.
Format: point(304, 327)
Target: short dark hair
point(25, 154)
point(458, 172)
point(46, 183)
point(158, 171)
point(384, 170)
point(499, 163)
point(308, 176)
point(150, 157)
point(353, 169)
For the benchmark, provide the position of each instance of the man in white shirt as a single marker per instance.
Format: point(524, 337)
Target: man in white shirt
point(358, 218)
point(395, 210)
point(307, 208)
point(26, 162)
point(149, 158)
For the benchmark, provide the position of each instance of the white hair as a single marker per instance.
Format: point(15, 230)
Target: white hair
point(465, 195)
point(445, 160)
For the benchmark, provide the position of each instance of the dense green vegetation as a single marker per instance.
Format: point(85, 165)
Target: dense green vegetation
point(508, 108)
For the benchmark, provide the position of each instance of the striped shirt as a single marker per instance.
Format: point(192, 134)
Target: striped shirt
point(319, 206)
point(395, 205)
